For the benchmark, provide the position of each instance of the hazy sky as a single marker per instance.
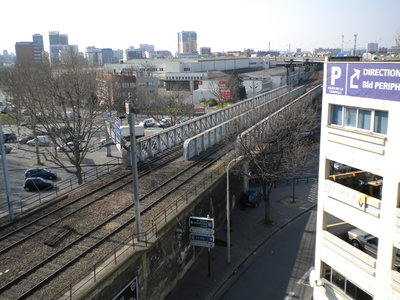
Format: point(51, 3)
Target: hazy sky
point(220, 24)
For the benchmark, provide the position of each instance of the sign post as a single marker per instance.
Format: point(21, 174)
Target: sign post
point(202, 235)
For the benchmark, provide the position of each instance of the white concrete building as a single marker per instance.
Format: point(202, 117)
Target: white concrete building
point(359, 183)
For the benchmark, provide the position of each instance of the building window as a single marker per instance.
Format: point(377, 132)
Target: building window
point(369, 120)
point(345, 285)
point(337, 115)
point(350, 117)
point(364, 119)
point(380, 122)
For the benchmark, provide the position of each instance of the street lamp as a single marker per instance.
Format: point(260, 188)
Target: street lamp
point(228, 224)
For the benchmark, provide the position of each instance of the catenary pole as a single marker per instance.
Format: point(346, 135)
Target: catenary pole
point(5, 175)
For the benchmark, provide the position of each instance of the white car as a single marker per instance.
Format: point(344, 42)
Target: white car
point(149, 122)
point(43, 140)
point(342, 168)
point(69, 147)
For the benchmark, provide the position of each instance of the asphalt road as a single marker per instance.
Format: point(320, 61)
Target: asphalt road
point(280, 268)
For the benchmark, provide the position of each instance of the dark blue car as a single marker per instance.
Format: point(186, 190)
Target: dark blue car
point(37, 183)
point(251, 198)
point(41, 172)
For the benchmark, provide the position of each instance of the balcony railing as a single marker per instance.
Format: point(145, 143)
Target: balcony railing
point(353, 198)
point(357, 257)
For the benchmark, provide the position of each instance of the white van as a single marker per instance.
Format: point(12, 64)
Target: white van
point(139, 132)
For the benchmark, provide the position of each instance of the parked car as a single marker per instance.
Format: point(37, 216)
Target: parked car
point(37, 183)
point(164, 123)
point(40, 172)
point(9, 137)
point(251, 198)
point(149, 122)
point(183, 120)
point(43, 140)
point(7, 149)
point(341, 168)
point(369, 244)
point(3, 109)
point(25, 139)
point(69, 147)
point(364, 241)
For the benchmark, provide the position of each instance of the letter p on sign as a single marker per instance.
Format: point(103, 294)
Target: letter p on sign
point(336, 72)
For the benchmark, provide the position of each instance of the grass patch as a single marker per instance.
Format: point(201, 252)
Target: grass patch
point(223, 105)
point(7, 119)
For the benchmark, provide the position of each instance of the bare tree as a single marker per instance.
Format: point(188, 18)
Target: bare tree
point(62, 101)
point(174, 104)
point(217, 91)
point(279, 147)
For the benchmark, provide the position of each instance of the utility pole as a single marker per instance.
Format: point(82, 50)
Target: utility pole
point(131, 124)
point(5, 174)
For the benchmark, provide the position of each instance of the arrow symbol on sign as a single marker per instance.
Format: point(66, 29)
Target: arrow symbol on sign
point(355, 75)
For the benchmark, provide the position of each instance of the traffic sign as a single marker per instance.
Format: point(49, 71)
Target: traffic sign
point(367, 80)
point(200, 222)
point(205, 231)
point(202, 231)
point(202, 240)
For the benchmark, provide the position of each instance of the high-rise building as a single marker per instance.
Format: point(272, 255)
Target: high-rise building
point(187, 42)
point(118, 55)
point(132, 53)
point(358, 219)
point(108, 55)
point(93, 56)
point(28, 52)
point(38, 40)
point(146, 47)
point(58, 45)
point(372, 48)
point(205, 51)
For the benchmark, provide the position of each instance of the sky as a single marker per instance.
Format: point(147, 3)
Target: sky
point(223, 25)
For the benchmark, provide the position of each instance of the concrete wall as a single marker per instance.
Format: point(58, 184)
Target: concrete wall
point(159, 267)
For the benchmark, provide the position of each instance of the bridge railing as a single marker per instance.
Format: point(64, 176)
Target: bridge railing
point(250, 136)
point(202, 141)
point(172, 136)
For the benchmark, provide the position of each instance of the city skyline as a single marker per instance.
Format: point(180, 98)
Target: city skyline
point(221, 25)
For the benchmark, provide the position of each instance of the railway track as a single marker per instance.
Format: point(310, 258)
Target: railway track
point(25, 228)
point(64, 248)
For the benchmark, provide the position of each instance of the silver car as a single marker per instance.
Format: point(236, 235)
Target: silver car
point(369, 244)
point(364, 241)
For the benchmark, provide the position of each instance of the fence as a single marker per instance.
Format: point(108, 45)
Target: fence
point(40, 197)
point(146, 237)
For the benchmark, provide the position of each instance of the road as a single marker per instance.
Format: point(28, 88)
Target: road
point(280, 268)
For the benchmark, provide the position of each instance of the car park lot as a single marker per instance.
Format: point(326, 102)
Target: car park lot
point(23, 157)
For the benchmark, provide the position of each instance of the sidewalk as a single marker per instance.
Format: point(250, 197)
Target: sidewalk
point(247, 235)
